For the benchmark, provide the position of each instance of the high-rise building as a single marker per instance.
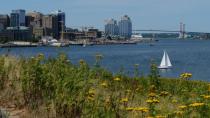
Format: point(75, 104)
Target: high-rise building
point(14, 19)
point(34, 19)
point(125, 27)
point(61, 21)
point(28, 20)
point(50, 25)
point(17, 18)
point(4, 21)
point(111, 28)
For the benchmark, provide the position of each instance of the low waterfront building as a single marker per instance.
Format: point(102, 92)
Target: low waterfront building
point(75, 34)
point(93, 33)
point(5, 36)
point(136, 37)
point(70, 34)
point(16, 34)
point(90, 35)
point(38, 32)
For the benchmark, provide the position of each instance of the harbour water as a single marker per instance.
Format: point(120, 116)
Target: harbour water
point(186, 56)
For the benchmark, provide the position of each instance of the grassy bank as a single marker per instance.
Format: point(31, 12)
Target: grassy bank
point(55, 88)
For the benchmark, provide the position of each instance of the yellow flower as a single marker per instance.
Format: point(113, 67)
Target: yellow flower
point(124, 100)
point(155, 101)
point(164, 93)
point(138, 109)
point(149, 101)
point(117, 79)
point(129, 109)
point(91, 94)
point(179, 112)
point(91, 91)
point(202, 95)
point(185, 76)
point(145, 110)
point(197, 104)
point(152, 95)
point(91, 98)
point(152, 101)
point(104, 84)
point(174, 101)
point(142, 109)
point(159, 116)
point(183, 107)
point(206, 97)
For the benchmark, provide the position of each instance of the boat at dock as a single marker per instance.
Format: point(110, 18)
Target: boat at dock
point(49, 41)
point(136, 37)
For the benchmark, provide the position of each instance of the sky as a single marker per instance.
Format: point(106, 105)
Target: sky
point(145, 14)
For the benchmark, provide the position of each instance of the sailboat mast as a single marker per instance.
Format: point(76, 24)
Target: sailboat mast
point(62, 31)
point(166, 55)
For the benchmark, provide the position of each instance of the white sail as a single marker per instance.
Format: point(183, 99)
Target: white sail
point(84, 43)
point(168, 61)
point(165, 63)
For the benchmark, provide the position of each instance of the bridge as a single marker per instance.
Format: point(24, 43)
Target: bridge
point(182, 32)
point(151, 30)
point(164, 31)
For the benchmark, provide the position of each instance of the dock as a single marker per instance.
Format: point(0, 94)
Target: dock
point(18, 44)
point(69, 43)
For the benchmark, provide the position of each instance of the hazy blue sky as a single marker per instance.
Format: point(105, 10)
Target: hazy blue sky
point(145, 14)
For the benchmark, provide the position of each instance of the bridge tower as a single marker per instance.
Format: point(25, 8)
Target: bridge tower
point(182, 31)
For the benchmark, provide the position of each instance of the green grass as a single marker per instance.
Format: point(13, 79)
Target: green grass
point(56, 88)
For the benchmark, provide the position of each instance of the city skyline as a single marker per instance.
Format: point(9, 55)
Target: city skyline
point(145, 14)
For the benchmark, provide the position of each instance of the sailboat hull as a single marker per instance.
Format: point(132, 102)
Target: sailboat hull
point(164, 67)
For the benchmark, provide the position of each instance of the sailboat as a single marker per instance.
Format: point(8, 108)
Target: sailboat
point(165, 63)
point(84, 43)
point(152, 40)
